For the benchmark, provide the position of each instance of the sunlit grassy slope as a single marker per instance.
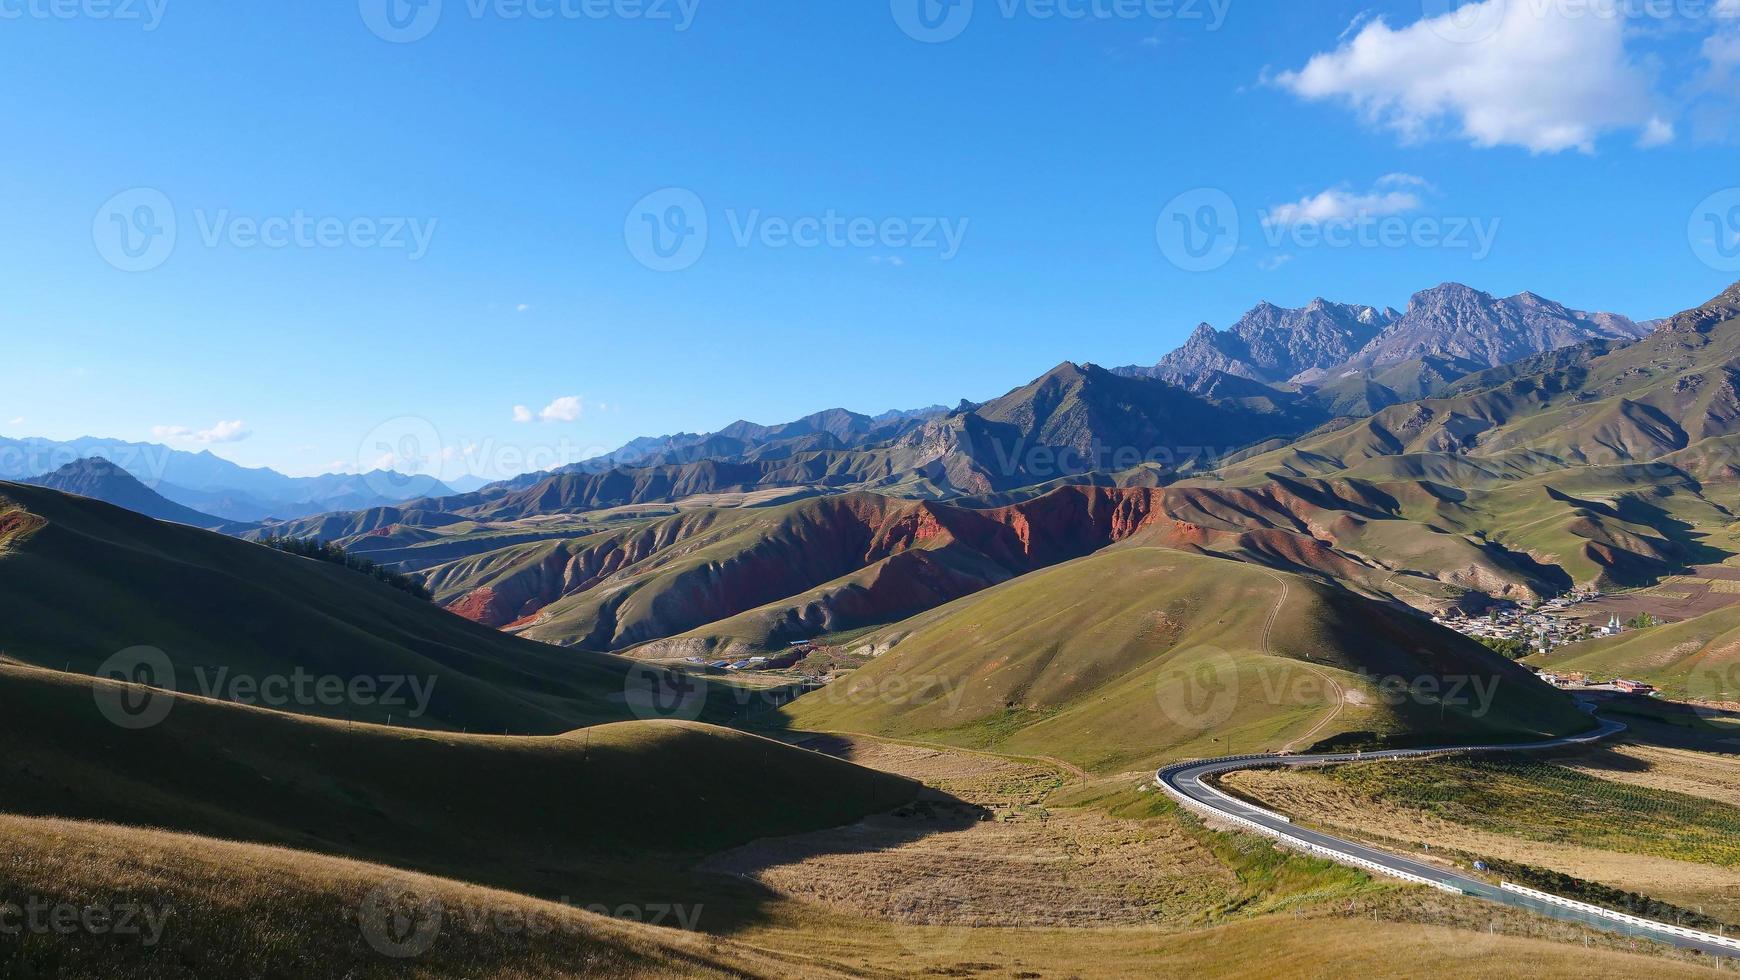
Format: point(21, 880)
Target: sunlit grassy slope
point(1139, 654)
point(228, 909)
point(1698, 658)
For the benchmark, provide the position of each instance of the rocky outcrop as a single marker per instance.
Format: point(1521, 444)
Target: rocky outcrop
point(1273, 344)
point(1322, 342)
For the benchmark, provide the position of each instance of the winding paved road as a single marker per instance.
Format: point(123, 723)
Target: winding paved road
point(1186, 782)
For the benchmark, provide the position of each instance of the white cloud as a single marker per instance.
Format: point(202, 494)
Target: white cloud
point(1341, 204)
point(1274, 262)
point(893, 260)
point(1404, 180)
point(1656, 132)
point(17, 421)
point(564, 409)
point(231, 431)
point(522, 307)
point(568, 408)
point(1546, 77)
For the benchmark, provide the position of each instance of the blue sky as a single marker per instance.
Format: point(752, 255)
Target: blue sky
point(475, 185)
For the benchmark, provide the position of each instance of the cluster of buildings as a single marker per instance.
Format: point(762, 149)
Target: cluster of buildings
point(1539, 628)
point(795, 652)
point(1543, 627)
point(1578, 681)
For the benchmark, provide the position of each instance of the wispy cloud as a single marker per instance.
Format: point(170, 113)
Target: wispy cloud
point(568, 408)
point(231, 431)
point(1390, 194)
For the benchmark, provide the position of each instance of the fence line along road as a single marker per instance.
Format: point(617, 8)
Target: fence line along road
point(1186, 783)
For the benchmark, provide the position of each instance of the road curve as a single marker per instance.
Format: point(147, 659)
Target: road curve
point(1186, 782)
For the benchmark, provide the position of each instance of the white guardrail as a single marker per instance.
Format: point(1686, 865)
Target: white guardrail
point(1340, 857)
point(1596, 910)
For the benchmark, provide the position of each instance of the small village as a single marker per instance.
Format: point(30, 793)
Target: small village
point(1519, 631)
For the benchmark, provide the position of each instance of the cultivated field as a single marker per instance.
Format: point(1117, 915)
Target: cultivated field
point(1643, 818)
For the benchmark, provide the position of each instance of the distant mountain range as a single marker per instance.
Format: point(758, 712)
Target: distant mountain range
point(1275, 375)
point(216, 486)
point(1360, 359)
point(1272, 376)
point(102, 480)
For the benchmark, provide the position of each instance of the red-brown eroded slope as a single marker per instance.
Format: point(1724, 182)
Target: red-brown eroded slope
point(677, 574)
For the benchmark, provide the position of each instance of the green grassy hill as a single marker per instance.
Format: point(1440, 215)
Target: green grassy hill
point(81, 580)
point(1139, 654)
point(566, 814)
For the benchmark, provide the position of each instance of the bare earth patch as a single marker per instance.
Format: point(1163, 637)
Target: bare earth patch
point(987, 780)
point(1710, 775)
point(942, 865)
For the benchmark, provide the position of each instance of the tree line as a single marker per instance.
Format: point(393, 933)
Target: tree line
point(325, 551)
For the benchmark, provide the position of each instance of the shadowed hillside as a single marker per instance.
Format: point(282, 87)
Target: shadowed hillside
point(555, 815)
point(81, 581)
